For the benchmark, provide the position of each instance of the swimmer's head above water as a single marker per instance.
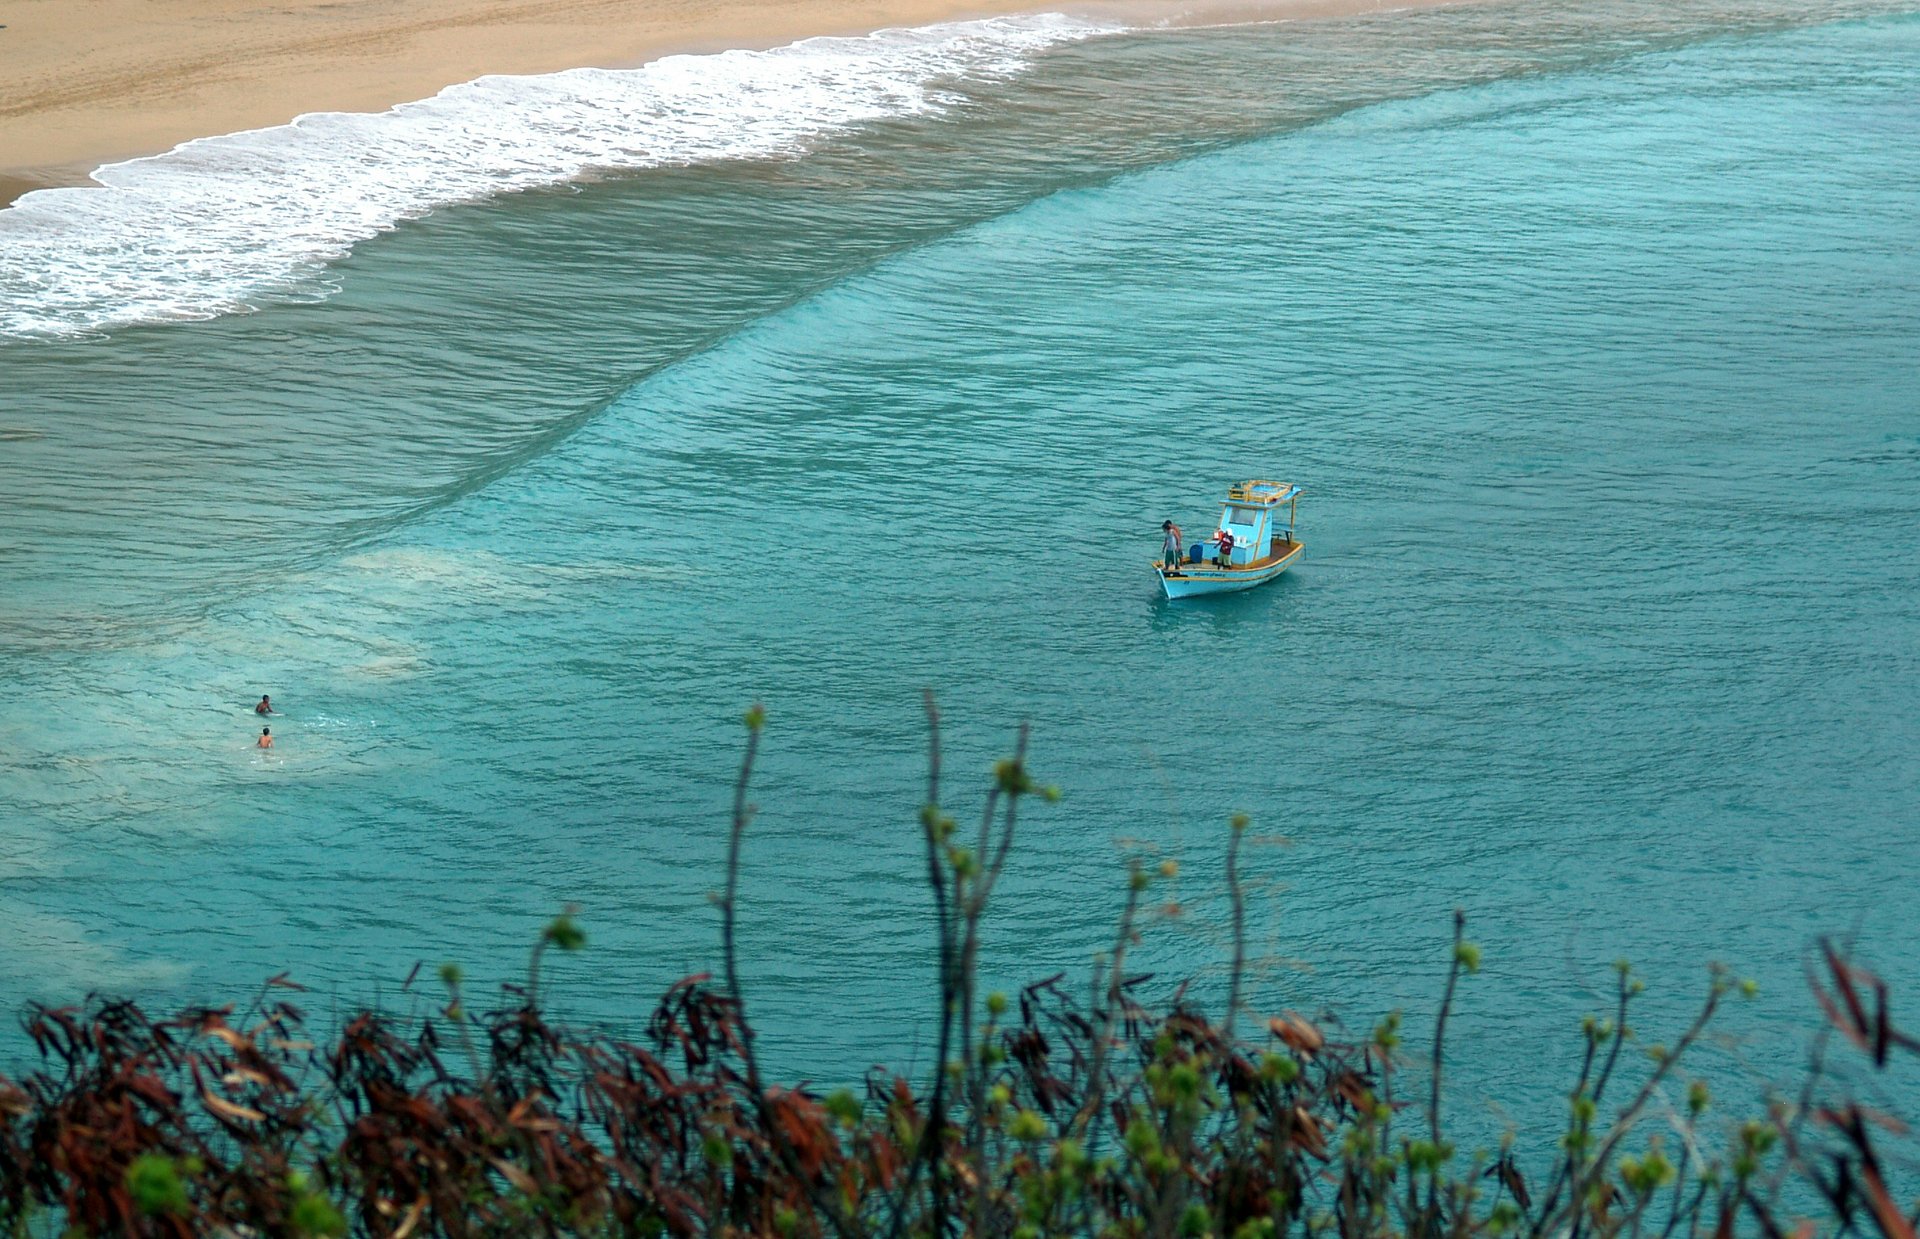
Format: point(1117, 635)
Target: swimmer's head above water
point(265, 706)
point(266, 738)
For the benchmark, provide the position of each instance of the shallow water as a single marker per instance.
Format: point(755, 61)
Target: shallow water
point(1590, 334)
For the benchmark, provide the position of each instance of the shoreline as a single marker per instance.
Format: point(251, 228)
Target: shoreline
point(95, 82)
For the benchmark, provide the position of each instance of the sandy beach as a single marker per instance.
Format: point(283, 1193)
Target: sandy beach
point(89, 82)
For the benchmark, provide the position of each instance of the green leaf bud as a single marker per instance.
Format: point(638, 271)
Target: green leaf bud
point(564, 933)
point(1278, 1069)
point(844, 1106)
point(153, 1180)
point(314, 1214)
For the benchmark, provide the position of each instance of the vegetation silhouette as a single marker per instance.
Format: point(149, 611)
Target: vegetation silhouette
point(1046, 1114)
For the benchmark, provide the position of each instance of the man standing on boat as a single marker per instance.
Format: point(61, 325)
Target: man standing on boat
point(1225, 557)
point(1172, 549)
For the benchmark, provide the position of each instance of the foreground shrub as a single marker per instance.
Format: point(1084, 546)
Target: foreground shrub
point(1046, 1115)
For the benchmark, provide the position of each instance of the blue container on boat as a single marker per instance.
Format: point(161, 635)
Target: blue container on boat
point(1197, 553)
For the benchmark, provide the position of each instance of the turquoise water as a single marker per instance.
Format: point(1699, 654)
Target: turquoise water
point(1590, 334)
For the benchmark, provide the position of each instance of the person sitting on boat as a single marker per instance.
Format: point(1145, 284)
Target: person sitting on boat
point(1225, 557)
point(1171, 550)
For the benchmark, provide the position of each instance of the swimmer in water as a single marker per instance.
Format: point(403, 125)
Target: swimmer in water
point(265, 706)
point(266, 739)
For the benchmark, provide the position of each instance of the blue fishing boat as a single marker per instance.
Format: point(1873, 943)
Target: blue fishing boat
point(1252, 546)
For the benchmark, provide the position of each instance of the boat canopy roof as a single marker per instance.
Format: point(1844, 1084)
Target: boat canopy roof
point(1261, 493)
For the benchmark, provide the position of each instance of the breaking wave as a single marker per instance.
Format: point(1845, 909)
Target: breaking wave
point(219, 225)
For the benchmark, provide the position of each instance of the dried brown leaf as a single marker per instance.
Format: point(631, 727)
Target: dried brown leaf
point(229, 1110)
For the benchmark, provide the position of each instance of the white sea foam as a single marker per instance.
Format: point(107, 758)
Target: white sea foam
point(217, 225)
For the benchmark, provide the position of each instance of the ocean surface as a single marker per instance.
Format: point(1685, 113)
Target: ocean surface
point(517, 440)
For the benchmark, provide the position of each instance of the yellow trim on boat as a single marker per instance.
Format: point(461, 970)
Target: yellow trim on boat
point(1214, 570)
point(1242, 492)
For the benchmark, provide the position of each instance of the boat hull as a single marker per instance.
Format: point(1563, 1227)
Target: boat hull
point(1197, 579)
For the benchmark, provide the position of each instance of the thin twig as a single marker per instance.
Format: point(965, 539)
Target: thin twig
point(930, 1151)
point(1596, 1166)
point(776, 1134)
point(742, 814)
point(1239, 898)
point(1440, 1024)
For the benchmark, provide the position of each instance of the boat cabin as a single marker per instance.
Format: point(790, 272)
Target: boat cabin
point(1252, 513)
point(1259, 515)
